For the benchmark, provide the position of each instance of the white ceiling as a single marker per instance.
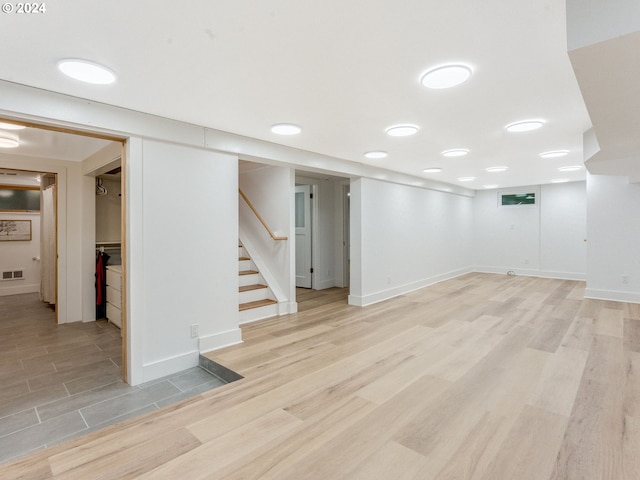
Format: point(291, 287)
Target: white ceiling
point(342, 70)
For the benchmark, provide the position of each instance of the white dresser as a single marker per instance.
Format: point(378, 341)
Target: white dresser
point(114, 294)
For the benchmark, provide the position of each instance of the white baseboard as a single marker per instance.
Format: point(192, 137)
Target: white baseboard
point(328, 283)
point(596, 294)
point(286, 308)
point(532, 273)
point(220, 340)
point(169, 366)
point(19, 289)
point(363, 301)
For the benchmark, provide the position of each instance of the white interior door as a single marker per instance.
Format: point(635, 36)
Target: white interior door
point(303, 236)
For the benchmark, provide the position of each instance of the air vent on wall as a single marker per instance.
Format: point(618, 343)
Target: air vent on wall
point(13, 275)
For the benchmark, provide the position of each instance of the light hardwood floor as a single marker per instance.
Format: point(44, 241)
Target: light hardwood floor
point(481, 377)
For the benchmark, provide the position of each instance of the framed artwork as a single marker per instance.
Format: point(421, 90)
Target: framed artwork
point(15, 230)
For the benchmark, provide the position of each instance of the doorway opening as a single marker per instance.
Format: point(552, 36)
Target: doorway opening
point(67, 160)
point(322, 233)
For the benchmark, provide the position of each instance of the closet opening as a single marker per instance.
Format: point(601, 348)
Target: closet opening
point(66, 163)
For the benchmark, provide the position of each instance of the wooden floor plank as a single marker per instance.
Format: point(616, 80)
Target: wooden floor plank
point(480, 377)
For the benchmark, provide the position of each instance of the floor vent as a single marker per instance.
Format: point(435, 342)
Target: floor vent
point(13, 275)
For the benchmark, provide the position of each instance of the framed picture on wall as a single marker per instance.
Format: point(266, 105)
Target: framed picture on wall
point(15, 230)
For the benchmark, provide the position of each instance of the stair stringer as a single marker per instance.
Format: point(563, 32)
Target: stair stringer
point(284, 306)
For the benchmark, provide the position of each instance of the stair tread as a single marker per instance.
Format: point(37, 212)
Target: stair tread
point(256, 304)
point(247, 288)
point(243, 258)
point(248, 272)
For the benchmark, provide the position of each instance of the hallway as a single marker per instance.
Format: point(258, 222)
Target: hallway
point(62, 381)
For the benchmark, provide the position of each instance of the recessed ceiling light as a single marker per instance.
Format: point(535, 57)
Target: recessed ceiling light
point(555, 154)
point(9, 142)
point(376, 154)
point(455, 152)
point(432, 170)
point(560, 180)
point(490, 186)
point(286, 129)
point(497, 169)
point(402, 130)
point(466, 179)
point(446, 76)
point(86, 71)
point(571, 168)
point(524, 126)
point(11, 126)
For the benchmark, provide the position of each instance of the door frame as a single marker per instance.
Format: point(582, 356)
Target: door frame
point(61, 178)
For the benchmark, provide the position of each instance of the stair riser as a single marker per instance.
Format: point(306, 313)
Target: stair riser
point(260, 313)
point(246, 265)
point(256, 278)
point(252, 295)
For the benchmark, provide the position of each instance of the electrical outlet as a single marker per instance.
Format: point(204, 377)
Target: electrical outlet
point(195, 330)
point(625, 279)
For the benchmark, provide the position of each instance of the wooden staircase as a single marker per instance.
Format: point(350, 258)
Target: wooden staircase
point(256, 299)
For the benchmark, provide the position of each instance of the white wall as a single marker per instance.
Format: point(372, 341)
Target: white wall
point(270, 190)
point(613, 247)
point(404, 238)
point(546, 239)
point(19, 255)
point(108, 212)
point(73, 291)
point(183, 266)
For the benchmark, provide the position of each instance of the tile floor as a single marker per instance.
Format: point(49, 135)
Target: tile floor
point(62, 381)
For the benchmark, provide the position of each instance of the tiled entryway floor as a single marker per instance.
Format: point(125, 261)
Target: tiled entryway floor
point(62, 381)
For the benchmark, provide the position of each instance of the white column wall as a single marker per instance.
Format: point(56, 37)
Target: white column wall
point(563, 230)
point(613, 229)
point(407, 238)
point(183, 233)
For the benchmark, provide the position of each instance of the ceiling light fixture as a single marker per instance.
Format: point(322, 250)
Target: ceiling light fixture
point(524, 126)
point(285, 129)
point(432, 170)
point(560, 180)
point(466, 179)
point(11, 126)
point(455, 152)
point(497, 169)
point(85, 71)
point(490, 186)
point(571, 168)
point(376, 154)
point(446, 76)
point(555, 154)
point(402, 130)
point(9, 142)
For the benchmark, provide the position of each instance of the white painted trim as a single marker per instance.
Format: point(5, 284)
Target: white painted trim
point(18, 289)
point(219, 340)
point(328, 283)
point(596, 294)
point(286, 308)
point(280, 155)
point(532, 273)
point(169, 366)
point(21, 102)
point(401, 290)
point(259, 313)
